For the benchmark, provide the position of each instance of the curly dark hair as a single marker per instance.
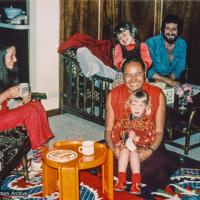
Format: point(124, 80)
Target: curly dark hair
point(172, 19)
point(123, 26)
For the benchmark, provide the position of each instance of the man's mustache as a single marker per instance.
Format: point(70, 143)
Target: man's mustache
point(171, 35)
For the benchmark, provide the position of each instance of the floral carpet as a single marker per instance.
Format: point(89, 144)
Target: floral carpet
point(15, 187)
point(185, 184)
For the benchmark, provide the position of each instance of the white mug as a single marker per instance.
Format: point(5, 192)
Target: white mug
point(24, 89)
point(87, 148)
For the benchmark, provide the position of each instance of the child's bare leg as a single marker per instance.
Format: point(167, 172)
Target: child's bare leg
point(123, 160)
point(136, 177)
point(134, 162)
point(122, 165)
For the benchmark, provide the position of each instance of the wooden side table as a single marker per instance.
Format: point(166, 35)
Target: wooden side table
point(65, 176)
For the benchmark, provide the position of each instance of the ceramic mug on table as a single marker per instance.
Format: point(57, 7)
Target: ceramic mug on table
point(87, 148)
point(24, 89)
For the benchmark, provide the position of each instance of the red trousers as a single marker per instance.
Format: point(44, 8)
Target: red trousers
point(31, 115)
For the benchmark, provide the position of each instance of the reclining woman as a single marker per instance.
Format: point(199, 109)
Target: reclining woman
point(156, 165)
point(25, 112)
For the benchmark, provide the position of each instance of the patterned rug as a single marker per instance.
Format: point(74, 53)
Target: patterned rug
point(185, 184)
point(15, 187)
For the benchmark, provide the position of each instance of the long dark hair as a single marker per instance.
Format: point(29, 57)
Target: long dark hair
point(8, 77)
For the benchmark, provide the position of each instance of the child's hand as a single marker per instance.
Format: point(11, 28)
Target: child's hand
point(131, 134)
point(136, 139)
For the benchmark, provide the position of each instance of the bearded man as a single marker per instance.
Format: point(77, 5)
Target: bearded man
point(168, 52)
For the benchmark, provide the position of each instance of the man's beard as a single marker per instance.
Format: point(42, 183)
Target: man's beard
point(170, 38)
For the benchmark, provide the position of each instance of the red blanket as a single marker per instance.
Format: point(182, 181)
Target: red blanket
point(102, 49)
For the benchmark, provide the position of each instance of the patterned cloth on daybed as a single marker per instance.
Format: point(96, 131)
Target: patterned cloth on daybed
point(14, 145)
point(81, 95)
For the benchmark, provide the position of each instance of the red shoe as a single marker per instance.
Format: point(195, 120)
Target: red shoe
point(119, 186)
point(135, 188)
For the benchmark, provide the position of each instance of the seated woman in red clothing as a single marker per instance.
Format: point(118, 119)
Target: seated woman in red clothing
point(24, 112)
point(154, 160)
point(134, 130)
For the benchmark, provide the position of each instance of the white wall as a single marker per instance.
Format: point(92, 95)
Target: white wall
point(43, 43)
